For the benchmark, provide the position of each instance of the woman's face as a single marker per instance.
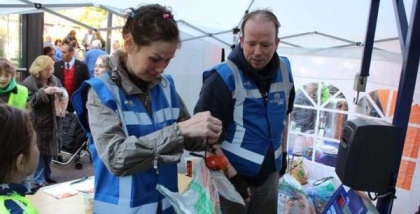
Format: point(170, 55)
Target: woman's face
point(149, 62)
point(5, 79)
point(47, 72)
point(51, 54)
point(99, 67)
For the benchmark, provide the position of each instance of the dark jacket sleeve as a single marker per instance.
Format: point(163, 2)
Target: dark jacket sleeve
point(216, 97)
point(291, 100)
point(83, 74)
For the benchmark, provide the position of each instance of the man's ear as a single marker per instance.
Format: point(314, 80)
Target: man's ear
point(20, 163)
point(129, 43)
point(241, 40)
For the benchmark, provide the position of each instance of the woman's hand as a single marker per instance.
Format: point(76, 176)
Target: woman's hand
point(202, 125)
point(52, 90)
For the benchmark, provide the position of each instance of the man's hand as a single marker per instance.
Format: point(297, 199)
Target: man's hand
point(283, 165)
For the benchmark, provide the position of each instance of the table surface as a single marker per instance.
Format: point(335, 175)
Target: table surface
point(46, 204)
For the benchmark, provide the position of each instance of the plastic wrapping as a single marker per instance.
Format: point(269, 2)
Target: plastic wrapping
point(320, 193)
point(61, 101)
point(202, 194)
point(292, 197)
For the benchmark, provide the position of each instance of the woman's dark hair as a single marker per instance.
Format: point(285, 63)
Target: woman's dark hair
point(57, 41)
point(151, 23)
point(48, 49)
point(16, 135)
point(265, 14)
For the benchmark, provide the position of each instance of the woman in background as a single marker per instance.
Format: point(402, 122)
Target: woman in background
point(49, 51)
point(43, 86)
point(102, 65)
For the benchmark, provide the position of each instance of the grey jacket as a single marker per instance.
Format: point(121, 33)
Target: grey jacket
point(43, 117)
point(126, 155)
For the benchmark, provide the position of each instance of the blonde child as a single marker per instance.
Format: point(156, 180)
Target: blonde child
point(18, 157)
point(10, 92)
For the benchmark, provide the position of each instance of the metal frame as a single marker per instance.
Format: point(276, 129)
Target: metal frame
point(410, 46)
point(48, 7)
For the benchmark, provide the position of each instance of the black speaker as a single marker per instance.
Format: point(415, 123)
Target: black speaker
point(365, 155)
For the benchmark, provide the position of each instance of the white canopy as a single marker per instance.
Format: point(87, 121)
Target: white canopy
point(305, 23)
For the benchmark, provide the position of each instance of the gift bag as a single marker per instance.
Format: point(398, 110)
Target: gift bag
point(202, 194)
point(61, 101)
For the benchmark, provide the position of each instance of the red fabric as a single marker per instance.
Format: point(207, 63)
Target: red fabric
point(69, 78)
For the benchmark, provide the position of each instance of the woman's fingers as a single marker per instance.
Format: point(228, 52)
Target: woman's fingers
point(202, 125)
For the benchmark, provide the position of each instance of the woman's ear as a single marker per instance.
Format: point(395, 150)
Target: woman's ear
point(129, 43)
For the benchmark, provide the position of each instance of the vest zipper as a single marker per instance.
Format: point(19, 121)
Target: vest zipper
point(265, 98)
point(146, 101)
point(156, 156)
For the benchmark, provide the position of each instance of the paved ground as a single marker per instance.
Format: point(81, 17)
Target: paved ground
point(68, 172)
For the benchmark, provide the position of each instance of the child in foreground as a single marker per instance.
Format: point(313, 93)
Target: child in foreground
point(19, 157)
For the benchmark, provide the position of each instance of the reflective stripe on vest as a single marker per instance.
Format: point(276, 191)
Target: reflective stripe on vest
point(124, 206)
point(136, 193)
point(249, 136)
point(23, 202)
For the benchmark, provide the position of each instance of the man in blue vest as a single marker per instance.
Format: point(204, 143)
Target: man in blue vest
point(252, 93)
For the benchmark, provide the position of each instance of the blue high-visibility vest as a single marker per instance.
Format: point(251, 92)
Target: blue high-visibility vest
point(136, 193)
point(257, 123)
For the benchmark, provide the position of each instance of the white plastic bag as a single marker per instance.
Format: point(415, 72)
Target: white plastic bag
point(202, 194)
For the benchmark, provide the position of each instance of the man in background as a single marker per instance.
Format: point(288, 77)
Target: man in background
point(70, 71)
point(92, 55)
point(88, 38)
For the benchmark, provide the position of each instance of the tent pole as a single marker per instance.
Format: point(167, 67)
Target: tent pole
point(59, 15)
point(108, 32)
point(402, 23)
point(410, 66)
point(370, 36)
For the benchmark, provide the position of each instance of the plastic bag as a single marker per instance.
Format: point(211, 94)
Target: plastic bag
point(202, 194)
point(298, 170)
point(292, 198)
point(321, 192)
point(61, 101)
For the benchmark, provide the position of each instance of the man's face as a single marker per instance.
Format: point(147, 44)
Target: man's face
point(67, 55)
point(259, 42)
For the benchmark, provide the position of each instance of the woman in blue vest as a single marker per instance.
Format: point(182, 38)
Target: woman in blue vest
point(137, 121)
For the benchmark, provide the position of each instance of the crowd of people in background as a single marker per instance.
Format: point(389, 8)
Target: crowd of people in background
point(60, 69)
